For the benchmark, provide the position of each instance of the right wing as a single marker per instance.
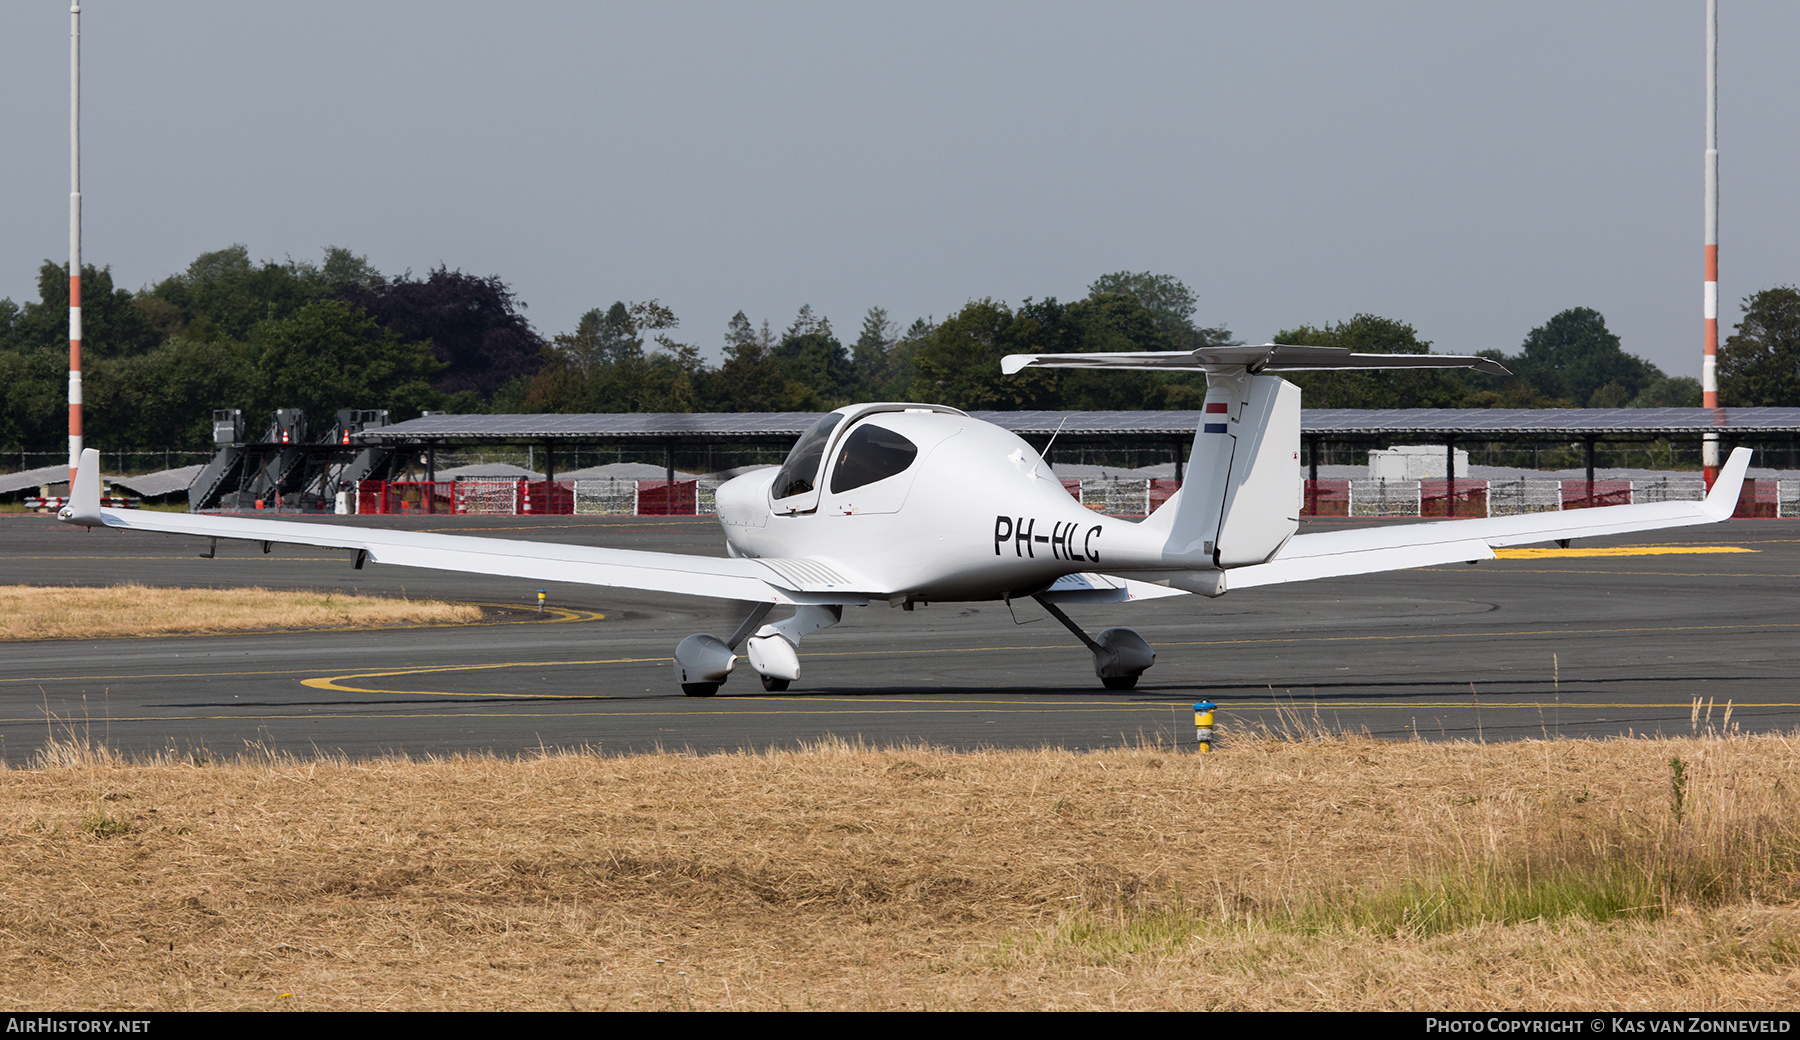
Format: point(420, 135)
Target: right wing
point(757, 581)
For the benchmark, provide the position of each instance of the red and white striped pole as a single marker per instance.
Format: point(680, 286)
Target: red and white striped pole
point(74, 242)
point(1709, 375)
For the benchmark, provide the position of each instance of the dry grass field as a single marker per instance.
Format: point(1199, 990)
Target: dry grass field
point(1301, 873)
point(28, 612)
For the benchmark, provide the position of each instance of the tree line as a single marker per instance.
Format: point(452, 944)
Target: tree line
point(230, 332)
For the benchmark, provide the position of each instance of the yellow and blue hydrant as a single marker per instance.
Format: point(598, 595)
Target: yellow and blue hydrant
point(1203, 724)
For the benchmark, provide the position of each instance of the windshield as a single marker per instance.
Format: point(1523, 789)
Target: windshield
point(800, 473)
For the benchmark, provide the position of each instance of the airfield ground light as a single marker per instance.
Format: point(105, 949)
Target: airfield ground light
point(1203, 724)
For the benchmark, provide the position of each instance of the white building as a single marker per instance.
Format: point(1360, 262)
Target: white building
point(1415, 462)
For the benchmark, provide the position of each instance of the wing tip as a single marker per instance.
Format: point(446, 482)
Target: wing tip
point(1722, 500)
point(84, 494)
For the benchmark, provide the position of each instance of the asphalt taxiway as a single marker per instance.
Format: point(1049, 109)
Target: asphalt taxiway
point(1620, 635)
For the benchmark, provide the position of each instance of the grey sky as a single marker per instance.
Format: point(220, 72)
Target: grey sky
point(1469, 169)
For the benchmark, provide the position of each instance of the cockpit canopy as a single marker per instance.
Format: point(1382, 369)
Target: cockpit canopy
point(862, 451)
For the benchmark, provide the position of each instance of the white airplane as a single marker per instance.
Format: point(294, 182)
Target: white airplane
point(918, 503)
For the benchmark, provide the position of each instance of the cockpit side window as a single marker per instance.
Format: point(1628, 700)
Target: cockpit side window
point(800, 473)
point(869, 454)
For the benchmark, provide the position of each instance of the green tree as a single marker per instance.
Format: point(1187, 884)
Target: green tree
point(1575, 356)
point(902, 358)
point(164, 398)
point(1171, 303)
point(815, 365)
point(558, 387)
point(958, 362)
point(1669, 392)
point(342, 267)
point(1117, 322)
point(34, 355)
point(1372, 388)
point(600, 338)
point(33, 399)
point(750, 380)
point(871, 356)
point(329, 355)
point(112, 325)
point(603, 367)
point(1760, 364)
point(223, 294)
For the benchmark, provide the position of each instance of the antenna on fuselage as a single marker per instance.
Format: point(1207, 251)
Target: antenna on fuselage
point(1045, 454)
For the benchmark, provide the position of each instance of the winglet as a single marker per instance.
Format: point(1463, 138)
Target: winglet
point(84, 495)
point(1722, 500)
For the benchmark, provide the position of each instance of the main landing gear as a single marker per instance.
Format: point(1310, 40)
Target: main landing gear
point(1120, 654)
point(703, 662)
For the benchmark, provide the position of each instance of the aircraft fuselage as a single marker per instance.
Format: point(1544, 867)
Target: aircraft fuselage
point(977, 514)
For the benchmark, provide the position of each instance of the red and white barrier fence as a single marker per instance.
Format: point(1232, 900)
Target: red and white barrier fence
point(536, 497)
point(55, 502)
point(1320, 498)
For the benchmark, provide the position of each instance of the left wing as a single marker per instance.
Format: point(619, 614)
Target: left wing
point(756, 581)
point(1367, 550)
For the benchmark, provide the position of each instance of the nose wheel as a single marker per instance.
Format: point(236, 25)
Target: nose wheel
point(703, 662)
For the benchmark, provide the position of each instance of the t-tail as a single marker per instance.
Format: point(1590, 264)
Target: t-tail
point(1240, 503)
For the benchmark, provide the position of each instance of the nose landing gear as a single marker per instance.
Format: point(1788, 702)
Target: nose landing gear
point(703, 662)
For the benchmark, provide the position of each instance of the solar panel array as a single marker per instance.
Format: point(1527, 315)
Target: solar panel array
point(1430, 423)
point(593, 426)
point(1653, 422)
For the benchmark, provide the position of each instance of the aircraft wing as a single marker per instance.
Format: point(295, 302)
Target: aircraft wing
point(757, 581)
point(1264, 357)
point(1367, 550)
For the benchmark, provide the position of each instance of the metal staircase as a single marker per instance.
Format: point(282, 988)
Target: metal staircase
point(283, 470)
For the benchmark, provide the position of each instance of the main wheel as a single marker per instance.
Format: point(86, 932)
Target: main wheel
point(774, 685)
point(1119, 682)
point(699, 689)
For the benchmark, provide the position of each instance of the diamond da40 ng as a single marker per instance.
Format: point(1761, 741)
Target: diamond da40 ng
point(918, 503)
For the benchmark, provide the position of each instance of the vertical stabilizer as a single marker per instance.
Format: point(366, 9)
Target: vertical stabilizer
point(1241, 499)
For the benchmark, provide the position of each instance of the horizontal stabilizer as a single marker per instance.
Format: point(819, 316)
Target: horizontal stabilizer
point(1265, 357)
point(1103, 588)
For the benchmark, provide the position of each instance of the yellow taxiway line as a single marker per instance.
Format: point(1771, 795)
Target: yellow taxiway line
point(1620, 550)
